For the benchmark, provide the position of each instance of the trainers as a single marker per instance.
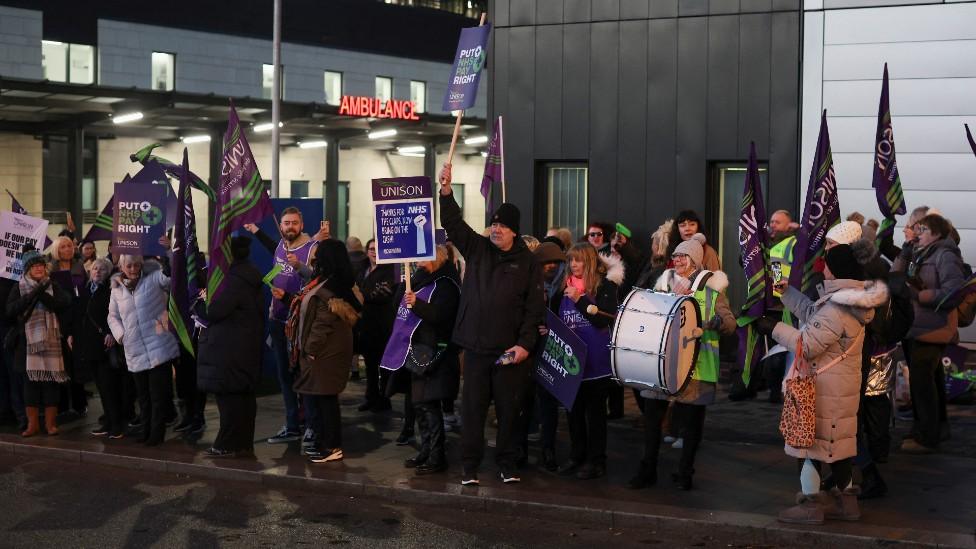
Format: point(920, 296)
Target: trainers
point(912, 446)
point(509, 477)
point(99, 432)
point(678, 444)
point(285, 436)
point(469, 478)
point(335, 454)
point(117, 436)
point(668, 439)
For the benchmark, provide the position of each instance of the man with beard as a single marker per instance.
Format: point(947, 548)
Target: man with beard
point(292, 253)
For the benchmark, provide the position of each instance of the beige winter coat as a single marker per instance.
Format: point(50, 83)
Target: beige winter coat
point(830, 327)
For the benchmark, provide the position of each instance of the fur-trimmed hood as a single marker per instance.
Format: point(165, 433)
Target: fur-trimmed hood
point(859, 298)
point(615, 268)
point(719, 281)
point(341, 308)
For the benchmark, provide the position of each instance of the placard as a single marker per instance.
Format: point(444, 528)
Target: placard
point(472, 50)
point(139, 219)
point(403, 210)
point(16, 231)
point(559, 366)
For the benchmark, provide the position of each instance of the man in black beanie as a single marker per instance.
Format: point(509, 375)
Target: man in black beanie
point(502, 306)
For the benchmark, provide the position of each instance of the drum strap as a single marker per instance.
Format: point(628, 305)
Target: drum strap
point(700, 280)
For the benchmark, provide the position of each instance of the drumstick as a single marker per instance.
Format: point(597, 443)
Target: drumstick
point(594, 310)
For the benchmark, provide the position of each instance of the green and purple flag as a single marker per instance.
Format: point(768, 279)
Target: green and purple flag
point(145, 156)
point(887, 180)
point(241, 199)
point(18, 209)
point(754, 242)
point(821, 211)
point(494, 164)
point(103, 226)
point(183, 288)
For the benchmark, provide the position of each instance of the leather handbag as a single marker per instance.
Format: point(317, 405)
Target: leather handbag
point(423, 359)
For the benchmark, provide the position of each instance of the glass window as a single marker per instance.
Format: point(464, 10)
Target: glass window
point(418, 94)
point(728, 181)
point(163, 71)
point(54, 60)
point(267, 81)
point(342, 213)
point(384, 88)
point(333, 87)
point(81, 69)
point(299, 189)
point(458, 190)
point(566, 191)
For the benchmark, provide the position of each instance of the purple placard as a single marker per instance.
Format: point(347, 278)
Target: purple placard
point(559, 366)
point(139, 219)
point(403, 210)
point(472, 50)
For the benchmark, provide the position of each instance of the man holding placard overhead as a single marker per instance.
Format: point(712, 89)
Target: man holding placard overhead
point(501, 307)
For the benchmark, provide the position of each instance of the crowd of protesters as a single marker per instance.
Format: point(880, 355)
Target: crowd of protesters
point(469, 324)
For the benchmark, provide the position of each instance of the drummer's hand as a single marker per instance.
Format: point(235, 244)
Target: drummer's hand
point(520, 353)
point(713, 323)
point(572, 293)
point(543, 330)
point(682, 286)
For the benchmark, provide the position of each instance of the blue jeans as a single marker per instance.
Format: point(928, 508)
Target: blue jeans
point(279, 346)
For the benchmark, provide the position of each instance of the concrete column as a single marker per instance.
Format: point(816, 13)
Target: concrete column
point(76, 144)
point(331, 191)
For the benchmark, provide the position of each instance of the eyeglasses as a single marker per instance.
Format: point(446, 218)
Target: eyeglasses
point(596, 234)
point(679, 256)
point(371, 249)
point(922, 229)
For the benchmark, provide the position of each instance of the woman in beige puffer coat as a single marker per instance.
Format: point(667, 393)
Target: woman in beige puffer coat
point(831, 335)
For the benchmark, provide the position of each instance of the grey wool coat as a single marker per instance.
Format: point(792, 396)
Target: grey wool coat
point(829, 327)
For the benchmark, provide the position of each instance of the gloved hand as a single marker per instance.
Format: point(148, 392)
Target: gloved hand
point(765, 325)
point(713, 323)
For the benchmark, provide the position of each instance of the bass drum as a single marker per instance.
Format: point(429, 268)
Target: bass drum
point(655, 341)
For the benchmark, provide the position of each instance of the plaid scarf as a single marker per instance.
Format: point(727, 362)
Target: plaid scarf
point(293, 330)
point(43, 335)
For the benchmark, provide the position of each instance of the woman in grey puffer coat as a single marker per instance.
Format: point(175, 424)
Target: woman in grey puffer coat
point(934, 269)
point(831, 336)
point(138, 318)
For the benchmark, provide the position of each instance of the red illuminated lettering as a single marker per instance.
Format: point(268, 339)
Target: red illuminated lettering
point(375, 108)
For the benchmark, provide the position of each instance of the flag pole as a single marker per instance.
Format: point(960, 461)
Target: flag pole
point(457, 123)
point(406, 279)
point(276, 99)
point(501, 149)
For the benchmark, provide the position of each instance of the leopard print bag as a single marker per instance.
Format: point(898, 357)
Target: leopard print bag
point(798, 421)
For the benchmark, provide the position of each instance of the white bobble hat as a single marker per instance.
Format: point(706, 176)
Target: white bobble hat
point(845, 232)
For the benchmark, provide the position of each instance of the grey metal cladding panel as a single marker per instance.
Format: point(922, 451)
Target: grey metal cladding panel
point(522, 12)
point(499, 15)
point(521, 103)
point(723, 87)
point(662, 74)
point(605, 10)
point(784, 110)
point(692, 7)
point(575, 93)
point(833, 4)
point(634, 9)
point(718, 7)
point(691, 112)
point(548, 91)
point(785, 5)
point(632, 122)
point(548, 12)
point(499, 68)
point(604, 82)
point(663, 8)
point(575, 11)
point(748, 6)
point(754, 54)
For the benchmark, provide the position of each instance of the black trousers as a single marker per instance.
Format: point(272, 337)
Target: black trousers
point(237, 414)
point(110, 383)
point(155, 388)
point(927, 386)
point(327, 420)
point(375, 380)
point(615, 400)
point(430, 419)
point(588, 423)
point(874, 418)
point(484, 382)
point(38, 394)
point(186, 387)
point(692, 421)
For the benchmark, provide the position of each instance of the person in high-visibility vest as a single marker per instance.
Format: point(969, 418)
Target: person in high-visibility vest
point(688, 277)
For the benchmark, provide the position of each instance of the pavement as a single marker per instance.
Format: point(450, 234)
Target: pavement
point(743, 478)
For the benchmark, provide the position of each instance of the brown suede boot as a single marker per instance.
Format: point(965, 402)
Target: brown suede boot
point(33, 421)
point(51, 419)
point(843, 505)
point(808, 509)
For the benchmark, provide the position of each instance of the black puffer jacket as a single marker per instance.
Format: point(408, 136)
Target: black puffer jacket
point(502, 302)
point(230, 348)
point(91, 324)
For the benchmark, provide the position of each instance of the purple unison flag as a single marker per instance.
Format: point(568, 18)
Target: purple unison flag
point(17, 208)
point(494, 164)
point(821, 211)
point(887, 180)
point(182, 282)
point(469, 59)
point(754, 242)
point(144, 156)
point(241, 199)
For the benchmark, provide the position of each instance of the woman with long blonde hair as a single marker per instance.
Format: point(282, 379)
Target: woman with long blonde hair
point(591, 280)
